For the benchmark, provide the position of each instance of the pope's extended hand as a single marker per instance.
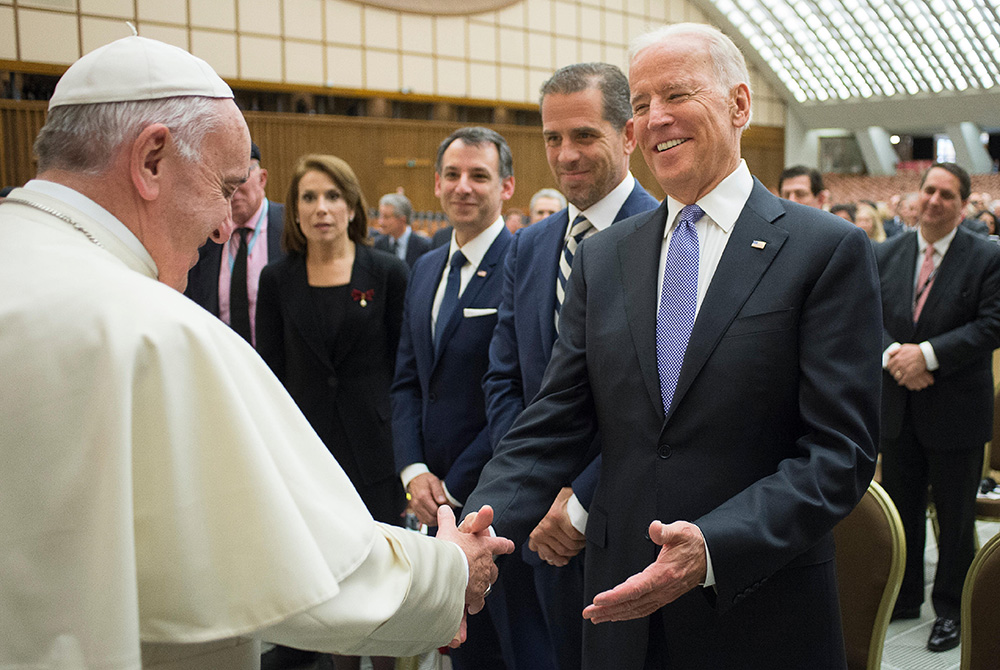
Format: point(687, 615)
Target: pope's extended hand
point(680, 566)
point(480, 548)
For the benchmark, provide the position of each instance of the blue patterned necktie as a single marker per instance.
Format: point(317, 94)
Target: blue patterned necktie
point(450, 299)
point(678, 302)
point(581, 227)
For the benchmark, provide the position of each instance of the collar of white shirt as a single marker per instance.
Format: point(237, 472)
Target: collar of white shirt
point(940, 247)
point(476, 248)
point(603, 212)
point(723, 204)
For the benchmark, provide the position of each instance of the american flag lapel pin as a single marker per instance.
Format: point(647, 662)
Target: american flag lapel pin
point(758, 244)
point(481, 273)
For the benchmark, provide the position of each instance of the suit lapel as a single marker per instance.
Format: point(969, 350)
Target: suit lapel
point(422, 293)
point(739, 272)
point(641, 249)
point(548, 250)
point(353, 326)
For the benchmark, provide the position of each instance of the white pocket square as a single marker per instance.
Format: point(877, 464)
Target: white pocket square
point(477, 311)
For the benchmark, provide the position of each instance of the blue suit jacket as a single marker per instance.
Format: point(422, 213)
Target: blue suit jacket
point(438, 406)
point(522, 343)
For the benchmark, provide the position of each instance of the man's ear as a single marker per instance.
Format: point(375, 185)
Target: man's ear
point(263, 177)
point(146, 160)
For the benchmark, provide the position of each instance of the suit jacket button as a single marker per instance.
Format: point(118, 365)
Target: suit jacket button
point(432, 397)
point(664, 451)
point(331, 382)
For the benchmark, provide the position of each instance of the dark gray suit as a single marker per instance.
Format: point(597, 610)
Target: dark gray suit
point(770, 440)
point(937, 435)
point(416, 246)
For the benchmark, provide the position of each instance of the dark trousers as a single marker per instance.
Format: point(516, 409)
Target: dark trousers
point(560, 594)
point(517, 616)
point(908, 467)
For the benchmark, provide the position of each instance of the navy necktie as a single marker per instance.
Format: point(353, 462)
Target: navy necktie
point(678, 302)
point(581, 227)
point(450, 299)
point(239, 301)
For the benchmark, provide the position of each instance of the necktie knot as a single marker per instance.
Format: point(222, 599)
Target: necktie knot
point(458, 260)
point(691, 214)
point(581, 226)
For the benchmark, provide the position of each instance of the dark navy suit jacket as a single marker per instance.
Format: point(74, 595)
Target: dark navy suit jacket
point(438, 407)
point(203, 278)
point(522, 343)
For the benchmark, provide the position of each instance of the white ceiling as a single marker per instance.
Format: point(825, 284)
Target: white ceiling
point(905, 65)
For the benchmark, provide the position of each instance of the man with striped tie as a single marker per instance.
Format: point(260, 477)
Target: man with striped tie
point(587, 127)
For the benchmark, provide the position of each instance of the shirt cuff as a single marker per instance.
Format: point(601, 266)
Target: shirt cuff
point(454, 502)
point(709, 572)
point(930, 358)
point(577, 514)
point(411, 471)
point(888, 351)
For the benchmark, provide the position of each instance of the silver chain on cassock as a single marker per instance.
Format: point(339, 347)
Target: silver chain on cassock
point(58, 215)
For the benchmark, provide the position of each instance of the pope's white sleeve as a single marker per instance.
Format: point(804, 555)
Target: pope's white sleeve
point(406, 598)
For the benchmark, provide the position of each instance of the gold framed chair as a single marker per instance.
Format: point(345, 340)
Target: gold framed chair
point(871, 554)
point(981, 609)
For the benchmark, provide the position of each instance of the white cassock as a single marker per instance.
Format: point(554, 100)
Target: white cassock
point(163, 502)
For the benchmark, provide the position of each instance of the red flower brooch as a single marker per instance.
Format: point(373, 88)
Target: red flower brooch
point(362, 297)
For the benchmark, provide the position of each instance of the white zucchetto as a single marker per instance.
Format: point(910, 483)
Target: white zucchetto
point(137, 68)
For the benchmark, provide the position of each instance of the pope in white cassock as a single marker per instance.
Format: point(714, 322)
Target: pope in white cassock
point(163, 503)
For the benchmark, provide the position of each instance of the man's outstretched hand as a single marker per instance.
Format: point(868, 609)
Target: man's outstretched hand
point(680, 566)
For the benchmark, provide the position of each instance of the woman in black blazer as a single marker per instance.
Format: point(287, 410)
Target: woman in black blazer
point(328, 321)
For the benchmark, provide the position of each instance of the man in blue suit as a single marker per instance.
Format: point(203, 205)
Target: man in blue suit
point(439, 411)
point(587, 126)
point(727, 347)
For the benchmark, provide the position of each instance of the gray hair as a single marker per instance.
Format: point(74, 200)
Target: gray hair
point(475, 136)
point(608, 79)
point(399, 203)
point(85, 138)
point(548, 193)
point(727, 60)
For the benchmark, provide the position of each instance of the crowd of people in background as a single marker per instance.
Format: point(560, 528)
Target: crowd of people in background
point(882, 219)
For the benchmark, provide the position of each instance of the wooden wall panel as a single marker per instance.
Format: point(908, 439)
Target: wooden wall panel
point(385, 153)
point(20, 122)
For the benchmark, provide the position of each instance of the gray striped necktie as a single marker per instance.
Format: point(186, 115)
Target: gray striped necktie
point(581, 227)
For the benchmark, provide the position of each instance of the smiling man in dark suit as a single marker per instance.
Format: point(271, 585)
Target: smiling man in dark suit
point(439, 412)
point(726, 347)
point(941, 307)
point(587, 128)
point(229, 289)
